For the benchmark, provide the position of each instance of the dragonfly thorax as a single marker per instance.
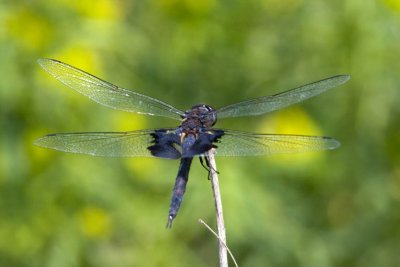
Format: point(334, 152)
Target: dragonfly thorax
point(199, 116)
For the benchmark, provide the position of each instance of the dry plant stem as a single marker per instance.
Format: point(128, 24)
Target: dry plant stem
point(215, 234)
point(223, 257)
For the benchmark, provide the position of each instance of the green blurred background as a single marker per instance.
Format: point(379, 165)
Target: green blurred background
point(336, 208)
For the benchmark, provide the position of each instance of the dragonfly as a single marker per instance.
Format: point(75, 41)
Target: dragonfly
point(194, 137)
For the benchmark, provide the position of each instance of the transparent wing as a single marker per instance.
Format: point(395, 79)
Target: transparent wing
point(234, 143)
point(106, 93)
point(110, 144)
point(266, 104)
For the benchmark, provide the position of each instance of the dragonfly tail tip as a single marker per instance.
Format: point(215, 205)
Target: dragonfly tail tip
point(169, 223)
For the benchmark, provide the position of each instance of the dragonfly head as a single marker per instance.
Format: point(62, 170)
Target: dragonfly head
point(205, 115)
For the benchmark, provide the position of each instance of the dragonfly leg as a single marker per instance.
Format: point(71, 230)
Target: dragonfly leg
point(204, 163)
point(207, 166)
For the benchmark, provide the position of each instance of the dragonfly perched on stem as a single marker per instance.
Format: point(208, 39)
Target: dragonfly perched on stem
point(195, 134)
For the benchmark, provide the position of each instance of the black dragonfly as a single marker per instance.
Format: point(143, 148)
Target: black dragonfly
point(193, 137)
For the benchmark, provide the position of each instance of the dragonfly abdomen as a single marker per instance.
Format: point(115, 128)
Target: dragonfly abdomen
point(179, 189)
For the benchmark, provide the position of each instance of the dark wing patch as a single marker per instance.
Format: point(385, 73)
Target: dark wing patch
point(165, 144)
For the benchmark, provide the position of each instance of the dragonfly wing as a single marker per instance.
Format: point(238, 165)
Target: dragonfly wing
point(266, 104)
point(234, 143)
point(115, 144)
point(106, 93)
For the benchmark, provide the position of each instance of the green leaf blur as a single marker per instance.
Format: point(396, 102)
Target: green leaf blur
point(335, 208)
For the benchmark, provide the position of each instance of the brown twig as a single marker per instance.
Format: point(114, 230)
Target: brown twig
point(223, 258)
point(216, 235)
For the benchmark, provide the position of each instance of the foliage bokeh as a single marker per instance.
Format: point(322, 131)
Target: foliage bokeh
point(336, 208)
